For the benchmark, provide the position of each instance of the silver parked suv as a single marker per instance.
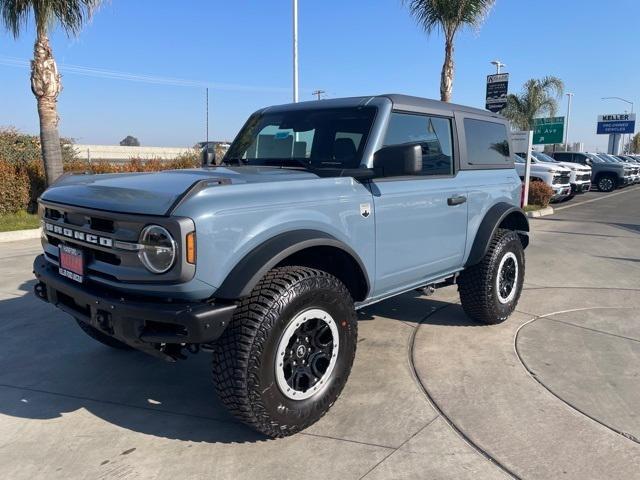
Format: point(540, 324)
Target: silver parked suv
point(320, 208)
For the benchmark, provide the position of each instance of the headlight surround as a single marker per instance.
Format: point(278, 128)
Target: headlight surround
point(158, 250)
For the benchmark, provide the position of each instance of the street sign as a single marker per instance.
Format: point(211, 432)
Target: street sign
point(497, 87)
point(548, 130)
point(617, 123)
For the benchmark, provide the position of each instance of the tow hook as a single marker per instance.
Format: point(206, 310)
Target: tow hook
point(40, 289)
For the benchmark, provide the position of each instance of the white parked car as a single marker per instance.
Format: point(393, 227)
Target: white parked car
point(557, 177)
point(580, 179)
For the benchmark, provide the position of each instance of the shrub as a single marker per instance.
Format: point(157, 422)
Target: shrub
point(540, 193)
point(22, 170)
point(14, 187)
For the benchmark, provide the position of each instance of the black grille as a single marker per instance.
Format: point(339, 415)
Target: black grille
point(561, 178)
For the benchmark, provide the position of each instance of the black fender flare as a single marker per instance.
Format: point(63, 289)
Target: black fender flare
point(495, 216)
point(254, 265)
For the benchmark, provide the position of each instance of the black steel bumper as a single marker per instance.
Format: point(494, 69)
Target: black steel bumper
point(143, 324)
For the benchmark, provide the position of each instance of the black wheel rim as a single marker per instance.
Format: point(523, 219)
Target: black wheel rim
point(307, 353)
point(507, 278)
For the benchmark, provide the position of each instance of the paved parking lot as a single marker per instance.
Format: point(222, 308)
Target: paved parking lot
point(553, 392)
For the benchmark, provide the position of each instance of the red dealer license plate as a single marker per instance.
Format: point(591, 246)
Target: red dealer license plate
point(71, 263)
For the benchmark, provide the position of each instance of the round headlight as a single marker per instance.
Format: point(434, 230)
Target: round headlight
point(157, 249)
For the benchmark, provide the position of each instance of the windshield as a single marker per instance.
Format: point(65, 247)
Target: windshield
point(594, 158)
point(517, 158)
point(315, 139)
point(543, 157)
point(523, 156)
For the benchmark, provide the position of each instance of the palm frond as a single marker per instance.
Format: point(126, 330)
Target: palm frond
point(539, 97)
point(448, 16)
point(71, 15)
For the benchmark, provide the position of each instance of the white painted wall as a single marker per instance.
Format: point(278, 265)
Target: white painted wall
point(118, 153)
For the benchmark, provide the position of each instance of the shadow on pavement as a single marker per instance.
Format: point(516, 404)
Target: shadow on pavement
point(50, 368)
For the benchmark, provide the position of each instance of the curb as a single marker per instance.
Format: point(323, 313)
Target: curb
point(18, 235)
point(543, 212)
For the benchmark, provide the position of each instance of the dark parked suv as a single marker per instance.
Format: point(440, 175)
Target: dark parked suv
point(606, 176)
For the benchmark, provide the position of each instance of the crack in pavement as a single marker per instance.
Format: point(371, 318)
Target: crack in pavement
point(400, 446)
point(564, 322)
point(441, 414)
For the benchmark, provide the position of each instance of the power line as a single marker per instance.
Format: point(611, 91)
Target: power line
point(318, 93)
point(149, 79)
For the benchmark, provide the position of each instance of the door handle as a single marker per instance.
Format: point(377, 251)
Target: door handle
point(457, 200)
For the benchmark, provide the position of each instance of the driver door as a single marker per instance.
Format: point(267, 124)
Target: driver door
point(421, 220)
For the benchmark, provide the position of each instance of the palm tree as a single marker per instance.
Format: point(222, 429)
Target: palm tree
point(449, 16)
point(45, 80)
point(539, 97)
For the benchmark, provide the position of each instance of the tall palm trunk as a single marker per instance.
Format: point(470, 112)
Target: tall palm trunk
point(446, 77)
point(46, 85)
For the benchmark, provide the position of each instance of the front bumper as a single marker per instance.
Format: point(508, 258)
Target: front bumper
point(580, 187)
point(560, 192)
point(141, 323)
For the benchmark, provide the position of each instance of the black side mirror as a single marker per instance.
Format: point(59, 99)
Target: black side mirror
point(207, 156)
point(399, 160)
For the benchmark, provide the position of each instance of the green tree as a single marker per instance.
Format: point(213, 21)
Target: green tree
point(448, 16)
point(634, 144)
point(45, 80)
point(539, 97)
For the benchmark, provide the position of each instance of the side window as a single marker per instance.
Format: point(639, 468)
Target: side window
point(487, 143)
point(433, 133)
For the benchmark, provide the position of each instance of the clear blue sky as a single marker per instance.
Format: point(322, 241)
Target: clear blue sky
point(353, 47)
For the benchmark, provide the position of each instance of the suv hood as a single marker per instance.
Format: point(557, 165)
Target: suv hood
point(155, 193)
point(548, 167)
point(575, 166)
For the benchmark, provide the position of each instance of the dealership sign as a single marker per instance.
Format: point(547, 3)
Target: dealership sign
point(617, 123)
point(497, 87)
point(548, 130)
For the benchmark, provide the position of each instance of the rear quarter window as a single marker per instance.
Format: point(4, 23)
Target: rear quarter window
point(487, 144)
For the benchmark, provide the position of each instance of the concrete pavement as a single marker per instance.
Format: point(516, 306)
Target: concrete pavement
point(551, 392)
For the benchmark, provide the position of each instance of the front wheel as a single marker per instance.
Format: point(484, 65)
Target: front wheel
point(288, 351)
point(606, 184)
point(490, 290)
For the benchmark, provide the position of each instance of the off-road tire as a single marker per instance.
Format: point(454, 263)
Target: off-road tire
point(606, 183)
point(244, 356)
point(477, 284)
point(101, 337)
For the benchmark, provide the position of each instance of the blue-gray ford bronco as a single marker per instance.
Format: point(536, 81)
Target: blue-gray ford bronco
point(318, 209)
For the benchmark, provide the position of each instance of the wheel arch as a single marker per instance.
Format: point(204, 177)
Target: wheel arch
point(501, 215)
point(310, 248)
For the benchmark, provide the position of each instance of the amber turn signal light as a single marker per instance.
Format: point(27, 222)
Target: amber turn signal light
point(191, 248)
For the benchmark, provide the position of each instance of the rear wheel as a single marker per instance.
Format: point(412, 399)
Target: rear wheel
point(490, 290)
point(101, 337)
point(288, 351)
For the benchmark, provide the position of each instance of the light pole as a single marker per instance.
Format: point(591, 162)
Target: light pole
point(295, 51)
point(622, 100)
point(566, 138)
point(498, 64)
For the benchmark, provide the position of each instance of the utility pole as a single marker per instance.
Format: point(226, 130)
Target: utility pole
point(207, 109)
point(566, 133)
point(498, 64)
point(295, 51)
point(318, 93)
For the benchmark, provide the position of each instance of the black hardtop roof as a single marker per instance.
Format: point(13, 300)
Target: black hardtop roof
point(400, 102)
